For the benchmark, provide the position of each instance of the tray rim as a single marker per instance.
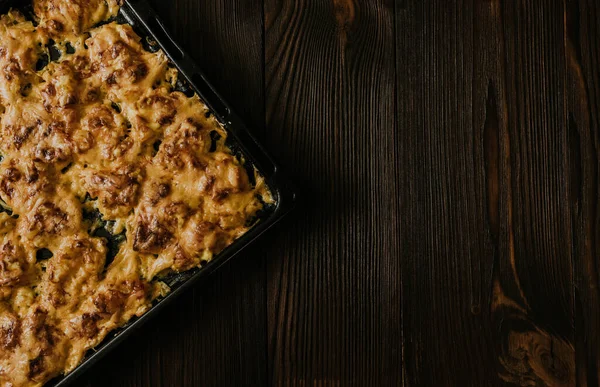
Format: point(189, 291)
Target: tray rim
point(140, 14)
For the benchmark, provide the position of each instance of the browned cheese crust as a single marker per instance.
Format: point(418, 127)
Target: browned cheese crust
point(100, 130)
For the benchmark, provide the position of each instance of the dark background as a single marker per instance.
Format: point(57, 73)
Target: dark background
point(447, 152)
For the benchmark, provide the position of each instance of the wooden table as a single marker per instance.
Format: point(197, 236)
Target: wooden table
point(448, 156)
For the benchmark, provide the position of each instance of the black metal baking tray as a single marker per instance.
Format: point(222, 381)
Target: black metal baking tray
point(144, 20)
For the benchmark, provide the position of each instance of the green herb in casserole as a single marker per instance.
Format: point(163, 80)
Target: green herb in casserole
point(109, 179)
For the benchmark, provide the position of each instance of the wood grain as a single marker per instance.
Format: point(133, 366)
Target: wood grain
point(447, 225)
point(216, 334)
point(538, 132)
point(334, 299)
point(538, 329)
point(582, 50)
point(487, 161)
point(447, 156)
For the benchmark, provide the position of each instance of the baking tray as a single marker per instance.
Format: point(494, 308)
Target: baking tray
point(144, 20)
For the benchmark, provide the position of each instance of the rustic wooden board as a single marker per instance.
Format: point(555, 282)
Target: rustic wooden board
point(503, 248)
point(214, 335)
point(334, 298)
point(447, 155)
point(582, 79)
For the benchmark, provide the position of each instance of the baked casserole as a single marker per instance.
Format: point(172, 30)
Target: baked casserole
point(110, 180)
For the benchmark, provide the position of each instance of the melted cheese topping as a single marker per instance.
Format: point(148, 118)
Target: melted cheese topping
point(100, 131)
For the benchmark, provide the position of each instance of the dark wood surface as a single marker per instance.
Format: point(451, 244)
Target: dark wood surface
point(447, 154)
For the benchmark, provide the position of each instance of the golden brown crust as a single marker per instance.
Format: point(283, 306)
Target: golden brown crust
point(100, 131)
point(60, 16)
